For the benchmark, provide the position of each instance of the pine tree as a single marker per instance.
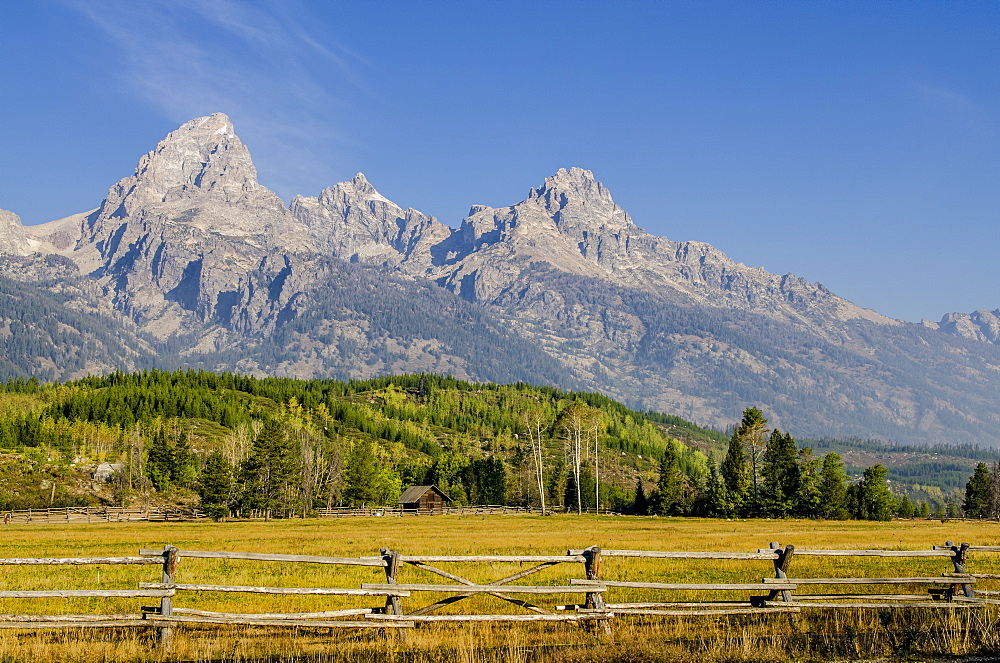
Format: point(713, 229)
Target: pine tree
point(159, 461)
point(906, 507)
point(215, 486)
point(270, 475)
point(640, 507)
point(875, 502)
point(780, 476)
point(571, 494)
point(360, 470)
point(833, 488)
point(670, 485)
point(184, 465)
point(994, 506)
point(741, 467)
point(716, 502)
point(977, 493)
point(736, 472)
point(809, 501)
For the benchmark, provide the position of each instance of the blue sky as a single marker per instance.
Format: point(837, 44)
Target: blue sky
point(852, 143)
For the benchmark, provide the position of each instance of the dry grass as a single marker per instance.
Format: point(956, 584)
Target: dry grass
point(813, 635)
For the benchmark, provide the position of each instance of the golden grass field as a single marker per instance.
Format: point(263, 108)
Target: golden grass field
point(811, 635)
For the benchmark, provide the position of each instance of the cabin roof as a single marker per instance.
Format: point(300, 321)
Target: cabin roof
point(414, 493)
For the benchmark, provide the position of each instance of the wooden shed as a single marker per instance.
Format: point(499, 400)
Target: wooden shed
point(426, 500)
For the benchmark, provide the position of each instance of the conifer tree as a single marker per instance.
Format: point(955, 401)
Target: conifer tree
point(780, 476)
point(833, 488)
point(639, 505)
point(270, 475)
point(159, 461)
point(739, 469)
point(736, 472)
point(994, 507)
point(809, 501)
point(977, 493)
point(670, 485)
point(875, 502)
point(215, 486)
point(716, 502)
point(360, 470)
point(906, 507)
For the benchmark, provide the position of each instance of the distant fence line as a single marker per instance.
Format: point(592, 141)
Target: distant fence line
point(109, 514)
point(99, 514)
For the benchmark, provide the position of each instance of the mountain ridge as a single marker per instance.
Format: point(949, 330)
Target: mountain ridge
point(212, 265)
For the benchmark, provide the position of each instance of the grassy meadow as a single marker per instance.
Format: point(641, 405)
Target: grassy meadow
point(810, 635)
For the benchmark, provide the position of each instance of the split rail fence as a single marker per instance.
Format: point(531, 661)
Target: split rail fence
point(93, 514)
point(605, 594)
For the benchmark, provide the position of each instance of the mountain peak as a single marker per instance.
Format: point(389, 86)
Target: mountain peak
point(216, 124)
point(574, 181)
point(202, 157)
point(577, 202)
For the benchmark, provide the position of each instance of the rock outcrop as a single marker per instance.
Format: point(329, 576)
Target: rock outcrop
point(354, 222)
point(981, 325)
point(12, 239)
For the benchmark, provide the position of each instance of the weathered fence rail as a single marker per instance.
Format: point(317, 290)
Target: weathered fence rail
point(94, 514)
point(670, 596)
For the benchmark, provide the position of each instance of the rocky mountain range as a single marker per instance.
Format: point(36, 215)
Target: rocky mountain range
point(191, 261)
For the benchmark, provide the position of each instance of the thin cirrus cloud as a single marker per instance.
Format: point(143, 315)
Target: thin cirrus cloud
point(282, 84)
point(962, 109)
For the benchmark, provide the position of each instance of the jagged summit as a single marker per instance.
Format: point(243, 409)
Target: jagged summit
point(980, 325)
point(202, 156)
point(353, 221)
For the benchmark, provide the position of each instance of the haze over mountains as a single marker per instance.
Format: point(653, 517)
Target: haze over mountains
point(191, 261)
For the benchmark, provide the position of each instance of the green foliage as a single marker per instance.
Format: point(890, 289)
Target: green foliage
point(781, 477)
point(833, 488)
point(977, 493)
point(216, 486)
point(669, 498)
point(269, 476)
point(737, 472)
point(362, 441)
point(874, 501)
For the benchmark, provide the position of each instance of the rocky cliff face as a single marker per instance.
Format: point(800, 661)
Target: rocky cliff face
point(561, 288)
point(570, 224)
point(175, 243)
point(354, 222)
point(12, 239)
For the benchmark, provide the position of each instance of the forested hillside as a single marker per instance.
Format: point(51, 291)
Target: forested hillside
point(235, 444)
point(331, 442)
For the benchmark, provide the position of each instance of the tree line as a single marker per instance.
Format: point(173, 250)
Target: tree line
point(281, 446)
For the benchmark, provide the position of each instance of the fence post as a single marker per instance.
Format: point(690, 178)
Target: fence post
point(167, 603)
point(781, 570)
point(393, 604)
point(960, 555)
point(595, 600)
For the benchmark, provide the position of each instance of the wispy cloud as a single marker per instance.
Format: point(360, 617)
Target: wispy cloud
point(960, 108)
point(274, 68)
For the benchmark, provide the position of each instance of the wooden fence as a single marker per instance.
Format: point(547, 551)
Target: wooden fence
point(781, 591)
point(102, 514)
point(92, 514)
